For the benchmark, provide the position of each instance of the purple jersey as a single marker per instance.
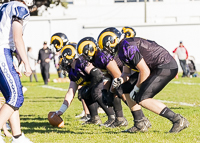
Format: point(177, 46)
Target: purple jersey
point(102, 59)
point(132, 50)
point(78, 74)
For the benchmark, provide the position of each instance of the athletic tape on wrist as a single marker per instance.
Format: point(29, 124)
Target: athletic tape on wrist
point(136, 89)
point(63, 108)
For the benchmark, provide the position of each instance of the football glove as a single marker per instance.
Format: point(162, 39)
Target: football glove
point(117, 82)
point(134, 92)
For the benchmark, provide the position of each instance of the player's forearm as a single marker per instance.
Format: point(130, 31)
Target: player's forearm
point(142, 77)
point(19, 44)
point(18, 41)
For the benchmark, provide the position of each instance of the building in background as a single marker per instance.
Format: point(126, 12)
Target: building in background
point(165, 21)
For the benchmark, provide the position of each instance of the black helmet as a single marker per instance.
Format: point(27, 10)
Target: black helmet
point(108, 39)
point(129, 32)
point(69, 53)
point(87, 47)
point(59, 40)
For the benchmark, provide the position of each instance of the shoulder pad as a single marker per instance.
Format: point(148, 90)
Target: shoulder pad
point(21, 12)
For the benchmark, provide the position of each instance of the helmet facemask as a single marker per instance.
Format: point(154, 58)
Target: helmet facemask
point(110, 44)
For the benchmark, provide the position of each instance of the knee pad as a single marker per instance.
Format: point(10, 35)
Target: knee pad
point(117, 104)
point(85, 92)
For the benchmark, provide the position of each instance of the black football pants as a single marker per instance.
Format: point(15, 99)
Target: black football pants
point(45, 72)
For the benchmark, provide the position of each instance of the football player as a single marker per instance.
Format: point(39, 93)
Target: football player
point(81, 72)
point(110, 66)
point(58, 40)
point(14, 16)
point(156, 68)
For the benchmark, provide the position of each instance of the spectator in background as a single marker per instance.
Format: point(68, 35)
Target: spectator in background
point(32, 61)
point(56, 62)
point(182, 54)
point(44, 57)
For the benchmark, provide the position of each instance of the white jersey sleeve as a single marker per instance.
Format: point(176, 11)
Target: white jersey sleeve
point(8, 11)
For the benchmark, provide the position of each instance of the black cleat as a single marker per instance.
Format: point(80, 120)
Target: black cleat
point(139, 126)
point(119, 121)
point(110, 120)
point(84, 118)
point(179, 123)
point(93, 120)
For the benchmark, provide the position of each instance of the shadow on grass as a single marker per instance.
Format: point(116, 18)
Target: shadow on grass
point(32, 124)
point(177, 108)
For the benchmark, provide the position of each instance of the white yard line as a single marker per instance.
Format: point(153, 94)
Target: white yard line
point(55, 88)
point(180, 103)
point(186, 83)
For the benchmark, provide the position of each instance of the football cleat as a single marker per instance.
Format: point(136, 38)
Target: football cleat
point(119, 121)
point(85, 118)
point(111, 119)
point(139, 126)
point(94, 120)
point(1, 139)
point(179, 123)
point(21, 139)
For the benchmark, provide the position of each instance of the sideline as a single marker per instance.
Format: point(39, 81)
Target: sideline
point(164, 101)
point(187, 83)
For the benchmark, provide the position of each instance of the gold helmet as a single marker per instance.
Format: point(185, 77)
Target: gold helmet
point(87, 47)
point(129, 32)
point(109, 39)
point(58, 40)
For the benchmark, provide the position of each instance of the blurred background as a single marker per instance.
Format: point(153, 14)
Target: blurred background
point(165, 21)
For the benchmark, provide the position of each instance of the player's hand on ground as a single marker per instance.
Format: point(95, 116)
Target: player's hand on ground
point(59, 113)
point(28, 71)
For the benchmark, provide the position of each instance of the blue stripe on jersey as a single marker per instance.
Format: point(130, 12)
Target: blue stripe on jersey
point(2, 8)
point(21, 12)
point(8, 86)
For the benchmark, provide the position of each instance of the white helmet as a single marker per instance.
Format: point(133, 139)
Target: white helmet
point(28, 2)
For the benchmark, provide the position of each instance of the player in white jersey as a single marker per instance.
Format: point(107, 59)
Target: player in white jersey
point(14, 16)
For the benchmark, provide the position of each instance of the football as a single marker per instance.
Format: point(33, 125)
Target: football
point(55, 120)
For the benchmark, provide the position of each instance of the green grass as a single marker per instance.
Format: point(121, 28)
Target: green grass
point(39, 101)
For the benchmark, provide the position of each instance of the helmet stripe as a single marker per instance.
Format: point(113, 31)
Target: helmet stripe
point(129, 30)
point(72, 49)
point(59, 39)
point(100, 41)
point(83, 44)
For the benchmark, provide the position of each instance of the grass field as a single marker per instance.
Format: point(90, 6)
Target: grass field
point(39, 101)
